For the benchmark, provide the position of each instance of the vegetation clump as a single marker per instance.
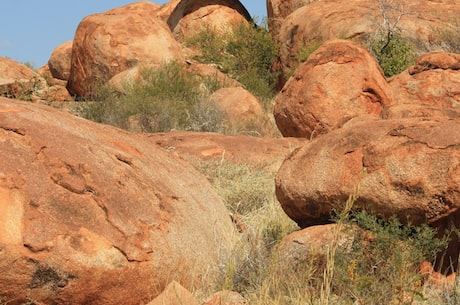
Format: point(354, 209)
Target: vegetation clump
point(394, 54)
point(164, 99)
point(245, 53)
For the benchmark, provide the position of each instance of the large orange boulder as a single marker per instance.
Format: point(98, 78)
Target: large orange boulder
point(187, 18)
point(403, 167)
point(91, 214)
point(243, 111)
point(111, 42)
point(339, 81)
point(60, 59)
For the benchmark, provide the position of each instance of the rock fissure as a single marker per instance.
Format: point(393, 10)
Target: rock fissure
point(124, 159)
point(19, 131)
point(413, 140)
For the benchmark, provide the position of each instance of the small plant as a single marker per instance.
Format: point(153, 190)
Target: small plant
point(24, 90)
point(30, 65)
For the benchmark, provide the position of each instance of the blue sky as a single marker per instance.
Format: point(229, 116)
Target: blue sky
point(30, 29)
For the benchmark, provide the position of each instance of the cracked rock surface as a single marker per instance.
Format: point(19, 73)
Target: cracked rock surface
point(90, 213)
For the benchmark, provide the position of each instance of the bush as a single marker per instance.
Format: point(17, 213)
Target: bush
point(245, 53)
point(169, 98)
point(393, 53)
point(384, 269)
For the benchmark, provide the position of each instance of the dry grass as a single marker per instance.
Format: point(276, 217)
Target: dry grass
point(256, 271)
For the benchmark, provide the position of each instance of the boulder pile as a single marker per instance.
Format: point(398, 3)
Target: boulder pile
point(397, 141)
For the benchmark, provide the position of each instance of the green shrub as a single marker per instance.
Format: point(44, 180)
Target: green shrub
point(393, 53)
point(245, 53)
point(383, 268)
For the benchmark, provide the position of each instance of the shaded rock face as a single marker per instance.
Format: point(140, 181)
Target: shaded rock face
point(94, 215)
point(59, 62)
point(278, 10)
point(108, 43)
point(339, 81)
point(421, 22)
point(182, 15)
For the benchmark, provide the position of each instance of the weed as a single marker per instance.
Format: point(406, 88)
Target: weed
point(24, 90)
point(243, 188)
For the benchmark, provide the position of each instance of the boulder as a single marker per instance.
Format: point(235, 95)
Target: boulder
point(339, 81)
point(19, 81)
point(206, 71)
point(57, 93)
point(220, 15)
point(421, 23)
point(122, 81)
point(429, 88)
point(241, 149)
point(59, 62)
point(313, 244)
point(108, 43)
point(44, 71)
point(435, 279)
point(243, 111)
point(91, 214)
point(404, 167)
